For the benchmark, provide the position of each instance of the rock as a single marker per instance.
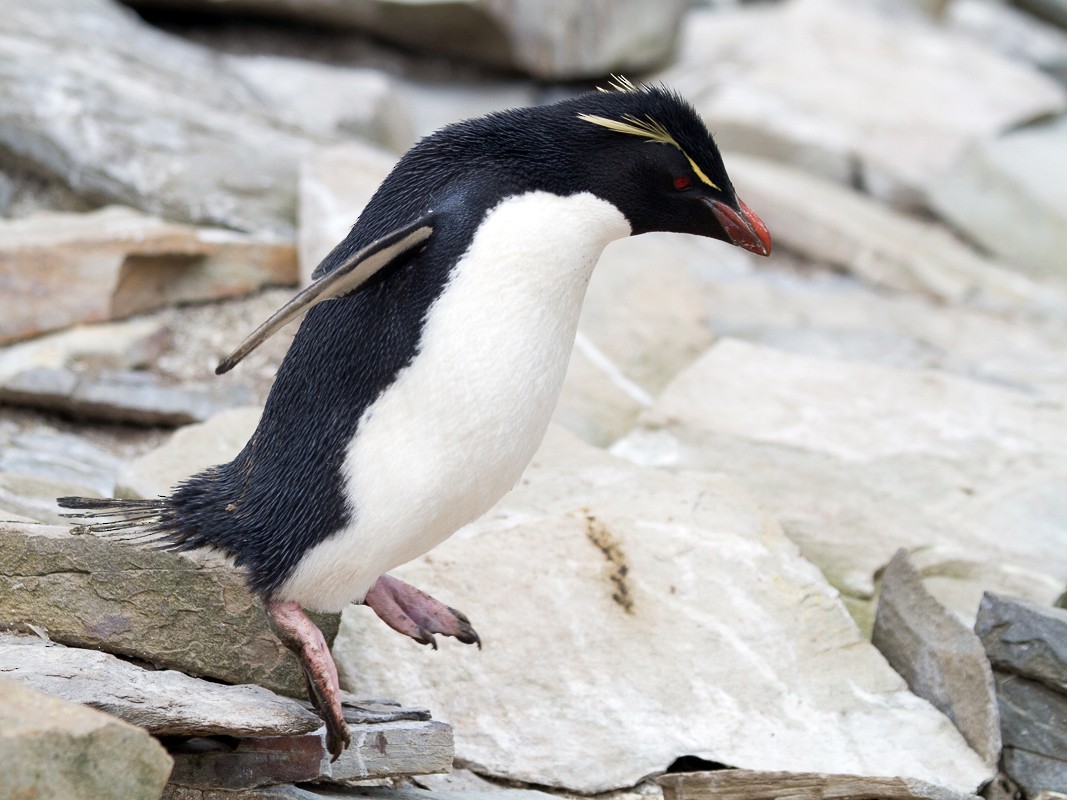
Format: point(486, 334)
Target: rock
point(1014, 33)
point(833, 224)
point(1053, 10)
point(163, 702)
point(110, 345)
point(643, 320)
point(190, 450)
point(189, 612)
point(547, 40)
point(1034, 725)
point(996, 197)
point(54, 750)
point(857, 461)
point(839, 89)
point(941, 659)
point(1025, 639)
point(743, 784)
point(335, 184)
point(377, 751)
point(137, 398)
point(332, 102)
point(678, 613)
point(63, 457)
point(93, 96)
point(62, 269)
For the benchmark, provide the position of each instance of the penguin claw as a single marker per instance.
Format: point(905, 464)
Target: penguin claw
point(298, 633)
point(414, 613)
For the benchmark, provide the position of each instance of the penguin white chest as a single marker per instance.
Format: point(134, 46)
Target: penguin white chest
point(453, 433)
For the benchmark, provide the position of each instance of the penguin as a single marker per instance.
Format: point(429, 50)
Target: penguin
point(431, 352)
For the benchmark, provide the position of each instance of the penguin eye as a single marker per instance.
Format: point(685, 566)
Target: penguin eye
point(682, 182)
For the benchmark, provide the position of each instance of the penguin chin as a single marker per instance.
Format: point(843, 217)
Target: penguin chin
point(742, 226)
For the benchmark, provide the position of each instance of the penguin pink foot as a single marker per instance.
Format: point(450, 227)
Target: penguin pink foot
point(298, 633)
point(414, 613)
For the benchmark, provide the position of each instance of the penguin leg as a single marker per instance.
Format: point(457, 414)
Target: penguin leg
point(414, 613)
point(298, 633)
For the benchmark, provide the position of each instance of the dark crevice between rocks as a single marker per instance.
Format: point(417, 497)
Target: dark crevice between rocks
point(695, 764)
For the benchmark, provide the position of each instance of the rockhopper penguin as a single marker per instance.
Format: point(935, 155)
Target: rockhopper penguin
point(412, 401)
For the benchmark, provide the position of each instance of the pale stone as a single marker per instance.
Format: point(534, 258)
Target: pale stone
point(114, 345)
point(577, 571)
point(94, 97)
point(834, 86)
point(1013, 32)
point(833, 224)
point(190, 450)
point(333, 102)
point(185, 611)
point(51, 749)
point(335, 184)
point(941, 658)
point(644, 319)
point(62, 269)
point(552, 40)
point(1010, 195)
point(160, 701)
point(858, 460)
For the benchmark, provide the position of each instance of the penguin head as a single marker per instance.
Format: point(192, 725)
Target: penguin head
point(643, 149)
point(648, 152)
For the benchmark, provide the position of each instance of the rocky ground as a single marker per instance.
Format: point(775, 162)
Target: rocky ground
point(800, 525)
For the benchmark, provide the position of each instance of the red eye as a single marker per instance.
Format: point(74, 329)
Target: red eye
point(682, 182)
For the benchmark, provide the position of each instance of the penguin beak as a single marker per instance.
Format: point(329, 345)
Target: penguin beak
point(743, 227)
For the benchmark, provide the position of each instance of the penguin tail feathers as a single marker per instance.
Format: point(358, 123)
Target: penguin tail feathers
point(141, 521)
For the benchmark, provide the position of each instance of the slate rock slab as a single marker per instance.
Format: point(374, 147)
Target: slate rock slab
point(189, 612)
point(1025, 638)
point(743, 784)
point(378, 750)
point(163, 702)
point(941, 658)
point(130, 397)
point(1034, 725)
point(51, 749)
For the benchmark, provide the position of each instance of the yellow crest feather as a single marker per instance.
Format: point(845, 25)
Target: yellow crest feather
point(646, 128)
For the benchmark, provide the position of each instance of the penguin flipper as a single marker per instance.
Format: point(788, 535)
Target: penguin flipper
point(343, 279)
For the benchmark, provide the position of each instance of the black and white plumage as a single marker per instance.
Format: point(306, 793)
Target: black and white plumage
point(433, 350)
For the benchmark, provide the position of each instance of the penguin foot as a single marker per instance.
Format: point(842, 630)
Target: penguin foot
point(414, 613)
point(298, 633)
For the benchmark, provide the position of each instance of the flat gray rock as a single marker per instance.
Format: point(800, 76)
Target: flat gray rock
point(163, 702)
point(743, 784)
point(134, 398)
point(190, 612)
point(381, 750)
point(941, 658)
point(57, 750)
point(1025, 638)
point(1033, 718)
point(147, 119)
